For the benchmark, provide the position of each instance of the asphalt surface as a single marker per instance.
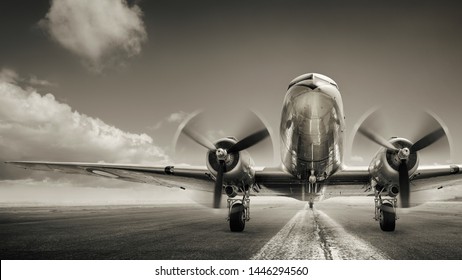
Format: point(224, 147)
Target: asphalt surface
point(338, 228)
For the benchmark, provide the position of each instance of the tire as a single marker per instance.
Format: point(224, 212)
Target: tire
point(237, 218)
point(387, 219)
point(310, 204)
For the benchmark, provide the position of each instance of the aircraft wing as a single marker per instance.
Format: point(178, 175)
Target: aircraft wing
point(274, 181)
point(355, 178)
point(436, 177)
point(439, 174)
point(196, 178)
point(360, 175)
point(452, 171)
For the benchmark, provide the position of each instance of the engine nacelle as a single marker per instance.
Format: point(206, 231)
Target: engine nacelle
point(238, 167)
point(385, 165)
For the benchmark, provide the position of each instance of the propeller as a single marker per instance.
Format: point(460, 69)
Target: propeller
point(376, 138)
point(403, 155)
point(222, 154)
point(404, 184)
point(199, 139)
point(427, 140)
point(249, 141)
point(219, 184)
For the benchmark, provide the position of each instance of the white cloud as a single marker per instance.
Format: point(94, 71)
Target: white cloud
point(173, 118)
point(177, 117)
point(98, 31)
point(8, 76)
point(155, 126)
point(38, 127)
point(34, 81)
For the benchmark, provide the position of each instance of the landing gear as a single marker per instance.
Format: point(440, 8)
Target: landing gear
point(385, 211)
point(310, 190)
point(239, 212)
point(237, 217)
point(387, 220)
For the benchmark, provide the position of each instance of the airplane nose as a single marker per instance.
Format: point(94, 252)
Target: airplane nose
point(315, 78)
point(312, 104)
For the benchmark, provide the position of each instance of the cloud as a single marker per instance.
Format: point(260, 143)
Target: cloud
point(34, 81)
point(34, 126)
point(156, 126)
point(101, 32)
point(177, 117)
point(174, 118)
point(8, 75)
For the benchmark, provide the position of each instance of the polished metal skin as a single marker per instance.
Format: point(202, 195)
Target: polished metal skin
point(312, 128)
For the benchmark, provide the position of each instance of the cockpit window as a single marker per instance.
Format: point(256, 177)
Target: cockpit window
point(314, 77)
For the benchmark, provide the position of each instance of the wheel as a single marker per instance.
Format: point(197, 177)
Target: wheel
point(387, 219)
point(310, 204)
point(237, 218)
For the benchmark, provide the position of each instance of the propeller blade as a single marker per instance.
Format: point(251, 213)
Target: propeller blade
point(376, 138)
point(249, 141)
point(404, 188)
point(427, 140)
point(199, 139)
point(219, 185)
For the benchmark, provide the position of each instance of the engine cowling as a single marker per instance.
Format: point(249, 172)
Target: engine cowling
point(238, 167)
point(231, 190)
point(393, 191)
point(385, 165)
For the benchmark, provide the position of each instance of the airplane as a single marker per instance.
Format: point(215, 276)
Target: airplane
point(312, 133)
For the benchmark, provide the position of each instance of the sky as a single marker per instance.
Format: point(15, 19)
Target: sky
point(110, 81)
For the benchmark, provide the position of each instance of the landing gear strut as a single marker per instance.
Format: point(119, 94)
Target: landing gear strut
point(385, 211)
point(309, 192)
point(239, 211)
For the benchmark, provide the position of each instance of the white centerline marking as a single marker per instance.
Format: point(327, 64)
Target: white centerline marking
point(313, 235)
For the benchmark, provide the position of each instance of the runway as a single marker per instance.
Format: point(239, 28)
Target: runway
point(338, 228)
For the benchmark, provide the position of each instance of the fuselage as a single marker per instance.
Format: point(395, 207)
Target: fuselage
point(312, 128)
